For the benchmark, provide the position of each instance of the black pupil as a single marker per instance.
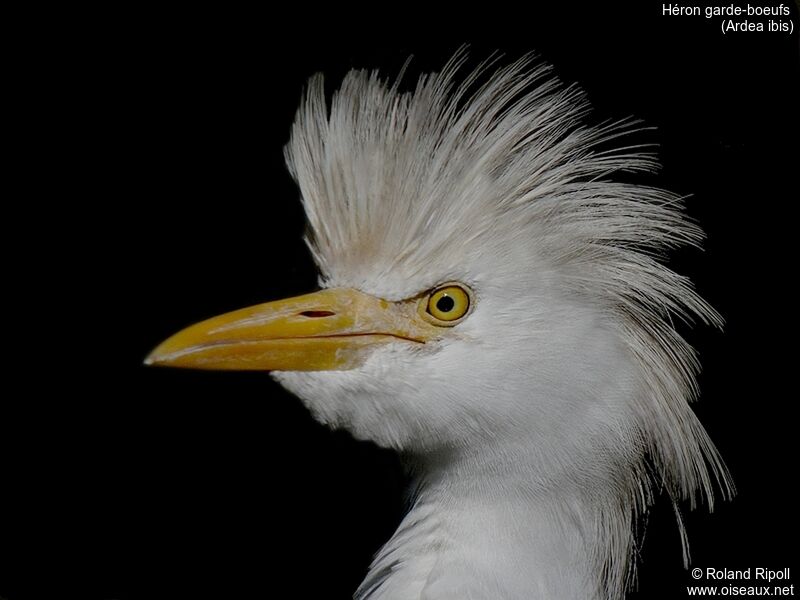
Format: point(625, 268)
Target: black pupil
point(445, 304)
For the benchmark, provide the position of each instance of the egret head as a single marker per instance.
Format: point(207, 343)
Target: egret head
point(484, 278)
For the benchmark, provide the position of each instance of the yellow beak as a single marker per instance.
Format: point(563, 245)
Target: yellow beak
point(334, 329)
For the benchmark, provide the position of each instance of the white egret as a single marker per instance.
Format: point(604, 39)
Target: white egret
point(493, 307)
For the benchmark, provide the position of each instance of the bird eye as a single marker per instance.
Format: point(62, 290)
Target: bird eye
point(447, 304)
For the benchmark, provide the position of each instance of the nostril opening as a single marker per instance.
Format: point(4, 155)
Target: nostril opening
point(315, 314)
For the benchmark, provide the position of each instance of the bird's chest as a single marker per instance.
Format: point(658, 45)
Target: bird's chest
point(477, 551)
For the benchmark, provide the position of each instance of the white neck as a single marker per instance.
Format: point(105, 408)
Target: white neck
point(475, 532)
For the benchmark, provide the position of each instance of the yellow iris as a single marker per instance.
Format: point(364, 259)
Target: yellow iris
point(447, 304)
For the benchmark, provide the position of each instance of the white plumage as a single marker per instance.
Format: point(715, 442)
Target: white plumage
point(539, 425)
point(568, 373)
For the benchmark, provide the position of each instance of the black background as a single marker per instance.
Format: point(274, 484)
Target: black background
point(157, 196)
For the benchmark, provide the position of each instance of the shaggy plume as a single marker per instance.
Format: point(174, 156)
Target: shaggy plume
point(393, 182)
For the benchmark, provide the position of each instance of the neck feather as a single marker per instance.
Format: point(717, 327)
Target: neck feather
point(475, 531)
